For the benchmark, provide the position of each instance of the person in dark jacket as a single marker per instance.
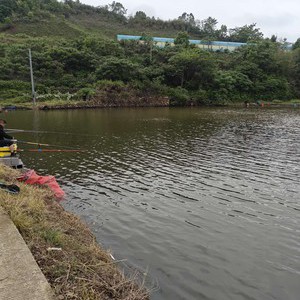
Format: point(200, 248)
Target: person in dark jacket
point(5, 139)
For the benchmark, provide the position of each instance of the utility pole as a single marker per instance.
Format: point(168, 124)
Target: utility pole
point(32, 81)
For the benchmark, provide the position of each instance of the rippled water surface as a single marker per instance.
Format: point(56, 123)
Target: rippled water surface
point(204, 200)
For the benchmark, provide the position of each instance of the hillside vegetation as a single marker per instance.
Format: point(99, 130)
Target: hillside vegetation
point(76, 57)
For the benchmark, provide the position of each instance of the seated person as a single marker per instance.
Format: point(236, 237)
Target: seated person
point(5, 139)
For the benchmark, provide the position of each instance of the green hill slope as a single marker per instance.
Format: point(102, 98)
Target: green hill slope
point(76, 56)
point(89, 23)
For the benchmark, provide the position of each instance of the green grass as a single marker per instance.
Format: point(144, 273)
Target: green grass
point(97, 25)
point(53, 237)
point(85, 24)
point(53, 27)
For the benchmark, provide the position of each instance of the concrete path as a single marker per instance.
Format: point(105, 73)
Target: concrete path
point(20, 276)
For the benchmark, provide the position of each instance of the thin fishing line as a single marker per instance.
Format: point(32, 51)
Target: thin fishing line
point(45, 145)
point(11, 130)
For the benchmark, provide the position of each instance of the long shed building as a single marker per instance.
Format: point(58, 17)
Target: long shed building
point(208, 45)
point(203, 44)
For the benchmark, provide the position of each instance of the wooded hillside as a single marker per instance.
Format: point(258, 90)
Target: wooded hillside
point(76, 56)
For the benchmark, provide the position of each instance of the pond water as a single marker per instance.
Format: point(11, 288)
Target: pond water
point(205, 201)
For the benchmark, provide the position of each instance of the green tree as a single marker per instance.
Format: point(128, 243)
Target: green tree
point(113, 68)
point(232, 85)
point(295, 78)
point(188, 20)
point(264, 64)
point(273, 38)
point(140, 15)
point(297, 44)
point(5, 12)
point(246, 33)
point(208, 28)
point(191, 69)
point(99, 47)
point(262, 56)
point(222, 33)
point(117, 8)
point(182, 39)
point(6, 9)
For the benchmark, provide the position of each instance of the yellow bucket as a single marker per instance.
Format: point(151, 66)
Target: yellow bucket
point(5, 151)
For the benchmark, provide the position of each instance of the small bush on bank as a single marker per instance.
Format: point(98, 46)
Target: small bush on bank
point(86, 94)
point(178, 96)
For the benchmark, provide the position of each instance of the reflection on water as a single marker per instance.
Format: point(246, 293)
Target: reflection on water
point(206, 200)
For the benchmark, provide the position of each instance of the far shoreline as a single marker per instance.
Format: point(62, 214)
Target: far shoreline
point(65, 105)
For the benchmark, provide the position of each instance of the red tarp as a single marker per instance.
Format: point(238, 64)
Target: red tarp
point(31, 177)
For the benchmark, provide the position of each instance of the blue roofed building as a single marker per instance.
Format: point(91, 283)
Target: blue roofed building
point(208, 45)
point(203, 44)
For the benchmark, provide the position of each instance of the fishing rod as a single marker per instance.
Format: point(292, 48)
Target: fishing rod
point(32, 143)
point(11, 130)
point(52, 150)
point(46, 150)
point(45, 145)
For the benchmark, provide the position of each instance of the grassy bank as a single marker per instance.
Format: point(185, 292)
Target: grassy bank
point(81, 269)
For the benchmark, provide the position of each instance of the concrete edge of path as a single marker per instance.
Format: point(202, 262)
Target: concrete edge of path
point(20, 276)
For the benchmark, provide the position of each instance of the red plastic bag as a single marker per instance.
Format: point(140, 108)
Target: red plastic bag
point(31, 177)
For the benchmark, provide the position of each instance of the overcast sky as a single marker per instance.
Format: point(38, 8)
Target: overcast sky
point(279, 17)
